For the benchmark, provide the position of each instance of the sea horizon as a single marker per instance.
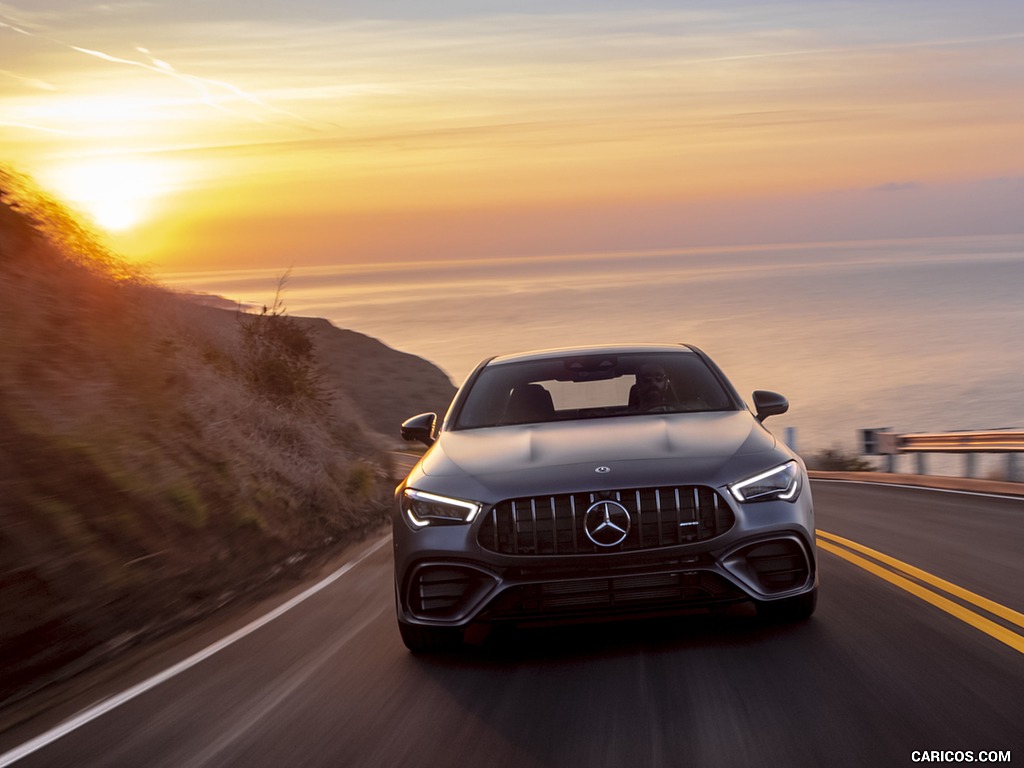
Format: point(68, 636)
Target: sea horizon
point(912, 334)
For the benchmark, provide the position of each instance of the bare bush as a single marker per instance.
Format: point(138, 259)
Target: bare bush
point(279, 356)
point(837, 460)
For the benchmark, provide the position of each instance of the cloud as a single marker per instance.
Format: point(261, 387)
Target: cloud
point(31, 82)
point(896, 186)
point(37, 128)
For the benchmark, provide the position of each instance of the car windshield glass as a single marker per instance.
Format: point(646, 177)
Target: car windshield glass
point(592, 386)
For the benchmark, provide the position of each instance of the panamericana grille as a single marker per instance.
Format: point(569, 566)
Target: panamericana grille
point(554, 525)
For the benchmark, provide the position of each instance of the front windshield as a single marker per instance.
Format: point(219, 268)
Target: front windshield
point(592, 386)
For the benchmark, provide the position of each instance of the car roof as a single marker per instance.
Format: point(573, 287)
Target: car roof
point(614, 349)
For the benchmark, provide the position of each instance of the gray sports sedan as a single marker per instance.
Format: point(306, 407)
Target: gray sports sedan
point(599, 482)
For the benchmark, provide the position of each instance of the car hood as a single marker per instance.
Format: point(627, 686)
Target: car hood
point(635, 451)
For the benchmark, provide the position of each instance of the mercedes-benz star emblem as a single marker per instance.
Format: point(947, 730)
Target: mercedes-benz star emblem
point(607, 523)
point(603, 470)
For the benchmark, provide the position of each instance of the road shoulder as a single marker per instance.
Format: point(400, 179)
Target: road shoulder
point(939, 482)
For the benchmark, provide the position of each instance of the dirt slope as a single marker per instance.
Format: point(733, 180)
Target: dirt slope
point(159, 458)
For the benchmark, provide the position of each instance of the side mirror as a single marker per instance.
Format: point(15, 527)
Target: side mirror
point(420, 428)
point(769, 404)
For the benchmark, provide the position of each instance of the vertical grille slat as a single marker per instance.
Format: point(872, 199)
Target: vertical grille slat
point(657, 508)
point(552, 525)
point(533, 519)
point(639, 521)
point(575, 528)
point(679, 519)
point(515, 529)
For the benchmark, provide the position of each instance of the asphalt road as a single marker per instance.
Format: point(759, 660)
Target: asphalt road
point(878, 675)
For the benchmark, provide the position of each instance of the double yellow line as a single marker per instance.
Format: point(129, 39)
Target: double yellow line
point(898, 576)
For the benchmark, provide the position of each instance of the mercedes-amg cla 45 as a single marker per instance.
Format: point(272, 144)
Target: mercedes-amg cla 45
point(599, 482)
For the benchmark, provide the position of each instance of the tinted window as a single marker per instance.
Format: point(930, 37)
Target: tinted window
point(592, 386)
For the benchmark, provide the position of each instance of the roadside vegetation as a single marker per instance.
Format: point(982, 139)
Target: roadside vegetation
point(158, 458)
point(838, 460)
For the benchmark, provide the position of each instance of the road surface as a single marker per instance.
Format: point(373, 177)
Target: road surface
point(916, 653)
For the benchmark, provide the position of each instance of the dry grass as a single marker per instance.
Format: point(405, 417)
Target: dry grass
point(156, 456)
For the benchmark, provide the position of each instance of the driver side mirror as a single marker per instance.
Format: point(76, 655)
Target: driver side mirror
point(420, 428)
point(769, 404)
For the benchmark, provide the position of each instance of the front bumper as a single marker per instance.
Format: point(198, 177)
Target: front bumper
point(443, 577)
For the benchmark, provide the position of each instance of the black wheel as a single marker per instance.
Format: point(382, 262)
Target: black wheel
point(789, 609)
point(419, 639)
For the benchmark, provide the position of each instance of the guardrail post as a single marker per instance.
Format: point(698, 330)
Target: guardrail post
point(1012, 468)
point(922, 464)
point(791, 438)
point(970, 464)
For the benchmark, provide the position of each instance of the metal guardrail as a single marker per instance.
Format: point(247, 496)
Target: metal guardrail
point(881, 442)
point(995, 441)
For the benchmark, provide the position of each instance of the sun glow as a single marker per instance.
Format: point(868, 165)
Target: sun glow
point(573, 127)
point(117, 194)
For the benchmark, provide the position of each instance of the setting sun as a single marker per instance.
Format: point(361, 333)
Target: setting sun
point(117, 194)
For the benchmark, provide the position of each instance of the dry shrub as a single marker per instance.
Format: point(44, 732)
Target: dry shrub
point(279, 360)
point(837, 460)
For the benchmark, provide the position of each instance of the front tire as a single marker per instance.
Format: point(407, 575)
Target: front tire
point(789, 609)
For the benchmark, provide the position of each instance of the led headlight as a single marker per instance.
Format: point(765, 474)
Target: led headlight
point(421, 509)
point(779, 483)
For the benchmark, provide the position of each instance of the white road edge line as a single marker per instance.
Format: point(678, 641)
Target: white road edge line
point(916, 488)
point(106, 705)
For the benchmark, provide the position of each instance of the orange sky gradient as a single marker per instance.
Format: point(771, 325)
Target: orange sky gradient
point(313, 133)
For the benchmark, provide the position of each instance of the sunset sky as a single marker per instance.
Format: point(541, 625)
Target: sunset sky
point(299, 132)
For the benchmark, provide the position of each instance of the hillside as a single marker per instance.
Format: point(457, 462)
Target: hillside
point(159, 458)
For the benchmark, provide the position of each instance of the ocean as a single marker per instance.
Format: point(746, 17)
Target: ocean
point(912, 335)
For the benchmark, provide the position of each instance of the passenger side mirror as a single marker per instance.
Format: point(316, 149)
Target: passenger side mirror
point(420, 428)
point(769, 404)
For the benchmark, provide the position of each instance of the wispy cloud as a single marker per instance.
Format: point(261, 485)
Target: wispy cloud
point(213, 92)
point(38, 128)
point(30, 82)
point(896, 186)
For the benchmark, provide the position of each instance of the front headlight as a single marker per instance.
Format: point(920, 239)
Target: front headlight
point(778, 483)
point(422, 508)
